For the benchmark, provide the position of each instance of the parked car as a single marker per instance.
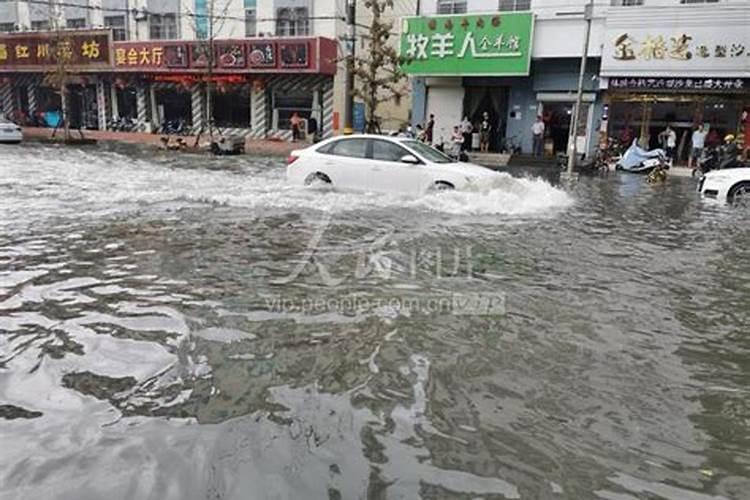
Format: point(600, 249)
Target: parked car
point(10, 133)
point(730, 185)
point(380, 163)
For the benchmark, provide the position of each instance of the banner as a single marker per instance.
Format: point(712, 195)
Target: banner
point(468, 45)
point(44, 51)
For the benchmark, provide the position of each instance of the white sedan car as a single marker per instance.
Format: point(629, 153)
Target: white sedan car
point(380, 163)
point(10, 133)
point(731, 185)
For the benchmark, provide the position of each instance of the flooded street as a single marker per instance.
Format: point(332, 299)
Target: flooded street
point(183, 327)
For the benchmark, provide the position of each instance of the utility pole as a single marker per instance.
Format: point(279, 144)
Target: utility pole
point(573, 137)
point(351, 17)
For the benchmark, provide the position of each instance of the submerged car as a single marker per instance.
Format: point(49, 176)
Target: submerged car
point(730, 185)
point(379, 163)
point(10, 133)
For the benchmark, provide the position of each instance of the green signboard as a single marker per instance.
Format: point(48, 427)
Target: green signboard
point(497, 44)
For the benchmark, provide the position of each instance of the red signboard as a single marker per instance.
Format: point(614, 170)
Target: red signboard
point(299, 55)
point(94, 51)
point(89, 50)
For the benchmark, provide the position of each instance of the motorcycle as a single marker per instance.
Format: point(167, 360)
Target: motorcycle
point(638, 160)
point(718, 158)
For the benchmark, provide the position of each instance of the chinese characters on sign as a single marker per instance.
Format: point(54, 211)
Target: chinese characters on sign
point(685, 84)
point(680, 46)
point(229, 55)
point(497, 44)
point(79, 50)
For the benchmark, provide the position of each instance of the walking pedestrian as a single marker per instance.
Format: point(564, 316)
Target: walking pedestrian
point(537, 135)
point(698, 141)
point(485, 130)
point(429, 129)
point(466, 129)
point(296, 121)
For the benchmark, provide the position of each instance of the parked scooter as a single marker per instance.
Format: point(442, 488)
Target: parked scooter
point(638, 160)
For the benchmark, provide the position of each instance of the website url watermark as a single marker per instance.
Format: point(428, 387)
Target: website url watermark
point(457, 304)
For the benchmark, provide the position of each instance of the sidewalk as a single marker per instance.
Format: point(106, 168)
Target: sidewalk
point(254, 147)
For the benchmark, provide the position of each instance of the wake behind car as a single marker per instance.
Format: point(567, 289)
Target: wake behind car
point(731, 185)
point(380, 163)
point(10, 133)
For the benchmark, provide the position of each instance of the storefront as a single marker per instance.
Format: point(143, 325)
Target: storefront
point(681, 71)
point(32, 74)
point(257, 84)
point(468, 65)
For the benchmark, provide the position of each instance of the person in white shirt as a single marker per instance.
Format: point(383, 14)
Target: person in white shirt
point(699, 142)
point(669, 140)
point(537, 131)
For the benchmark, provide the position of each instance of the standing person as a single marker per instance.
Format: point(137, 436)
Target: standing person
point(421, 137)
point(669, 141)
point(429, 129)
point(296, 121)
point(537, 135)
point(699, 142)
point(457, 139)
point(485, 130)
point(466, 129)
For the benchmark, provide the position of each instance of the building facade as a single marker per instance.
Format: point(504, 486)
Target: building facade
point(274, 58)
point(488, 73)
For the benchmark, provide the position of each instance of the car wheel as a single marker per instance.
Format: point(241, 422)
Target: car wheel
point(317, 178)
point(443, 186)
point(739, 194)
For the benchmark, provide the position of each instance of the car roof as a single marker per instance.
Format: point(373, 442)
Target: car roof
point(370, 136)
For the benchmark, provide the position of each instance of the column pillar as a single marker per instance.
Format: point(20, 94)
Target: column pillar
point(96, 14)
point(142, 118)
point(6, 97)
point(113, 99)
point(328, 103)
point(257, 112)
point(155, 119)
point(33, 106)
point(196, 103)
point(101, 104)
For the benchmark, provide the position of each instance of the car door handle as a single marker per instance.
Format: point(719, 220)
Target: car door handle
point(377, 169)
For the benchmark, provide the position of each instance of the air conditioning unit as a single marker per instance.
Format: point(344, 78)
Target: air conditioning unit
point(140, 15)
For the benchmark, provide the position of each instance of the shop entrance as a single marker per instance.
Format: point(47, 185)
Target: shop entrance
point(231, 106)
point(174, 107)
point(646, 117)
point(82, 107)
point(558, 117)
point(492, 100)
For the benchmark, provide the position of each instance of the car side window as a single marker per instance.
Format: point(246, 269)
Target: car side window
point(353, 148)
point(387, 151)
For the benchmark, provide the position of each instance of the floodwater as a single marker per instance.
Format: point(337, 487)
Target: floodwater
point(177, 327)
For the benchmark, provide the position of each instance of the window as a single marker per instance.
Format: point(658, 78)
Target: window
point(40, 25)
point(117, 23)
point(76, 23)
point(7, 27)
point(353, 148)
point(451, 7)
point(514, 5)
point(387, 151)
point(251, 22)
point(163, 26)
point(292, 22)
point(428, 152)
point(626, 3)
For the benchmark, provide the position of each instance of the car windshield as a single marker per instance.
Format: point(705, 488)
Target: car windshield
point(428, 152)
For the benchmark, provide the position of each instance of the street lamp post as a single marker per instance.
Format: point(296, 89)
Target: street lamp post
point(573, 136)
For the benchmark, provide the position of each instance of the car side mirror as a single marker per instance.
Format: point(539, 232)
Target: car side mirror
point(410, 159)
